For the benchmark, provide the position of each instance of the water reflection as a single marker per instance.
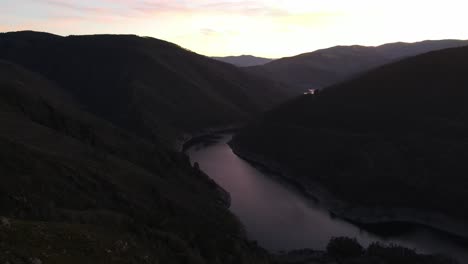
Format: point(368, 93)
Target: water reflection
point(279, 218)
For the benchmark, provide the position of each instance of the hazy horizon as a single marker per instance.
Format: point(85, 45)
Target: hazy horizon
point(270, 29)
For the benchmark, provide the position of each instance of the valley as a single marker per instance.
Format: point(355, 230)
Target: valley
point(95, 170)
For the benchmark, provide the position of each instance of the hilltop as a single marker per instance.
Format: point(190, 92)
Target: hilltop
point(325, 67)
point(244, 60)
point(145, 85)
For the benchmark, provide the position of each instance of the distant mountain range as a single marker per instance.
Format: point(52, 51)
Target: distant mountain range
point(325, 67)
point(243, 60)
point(143, 84)
point(401, 128)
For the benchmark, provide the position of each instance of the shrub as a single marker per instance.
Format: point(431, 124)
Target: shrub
point(380, 250)
point(344, 247)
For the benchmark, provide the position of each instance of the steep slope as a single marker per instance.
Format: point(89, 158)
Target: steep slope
point(244, 60)
point(143, 84)
point(76, 189)
point(395, 137)
point(325, 67)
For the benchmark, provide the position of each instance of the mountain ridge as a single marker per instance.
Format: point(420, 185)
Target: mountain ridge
point(153, 85)
point(244, 60)
point(325, 67)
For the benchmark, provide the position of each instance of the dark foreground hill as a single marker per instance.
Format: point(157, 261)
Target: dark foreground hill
point(76, 189)
point(325, 67)
point(396, 137)
point(143, 84)
point(244, 60)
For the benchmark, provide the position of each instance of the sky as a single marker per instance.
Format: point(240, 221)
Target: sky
point(266, 28)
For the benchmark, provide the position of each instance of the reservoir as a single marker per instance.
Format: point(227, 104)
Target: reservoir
point(280, 218)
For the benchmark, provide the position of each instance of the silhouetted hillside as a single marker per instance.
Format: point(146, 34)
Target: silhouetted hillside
point(396, 137)
point(244, 60)
point(325, 67)
point(143, 84)
point(76, 189)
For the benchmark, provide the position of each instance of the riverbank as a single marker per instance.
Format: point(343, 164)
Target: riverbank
point(187, 140)
point(361, 216)
point(207, 135)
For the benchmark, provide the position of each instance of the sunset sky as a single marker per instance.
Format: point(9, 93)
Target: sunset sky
point(268, 28)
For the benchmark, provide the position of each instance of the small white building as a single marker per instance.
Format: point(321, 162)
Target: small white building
point(311, 91)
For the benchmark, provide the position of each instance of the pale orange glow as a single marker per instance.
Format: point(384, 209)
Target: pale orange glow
point(274, 28)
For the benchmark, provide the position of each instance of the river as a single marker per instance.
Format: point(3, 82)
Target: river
point(279, 218)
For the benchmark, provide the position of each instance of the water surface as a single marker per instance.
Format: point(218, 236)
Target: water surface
point(280, 218)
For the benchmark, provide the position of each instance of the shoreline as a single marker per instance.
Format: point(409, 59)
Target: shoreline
point(358, 215)
point(187, 140)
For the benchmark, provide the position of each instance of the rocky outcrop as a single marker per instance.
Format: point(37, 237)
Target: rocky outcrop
point(5, 223)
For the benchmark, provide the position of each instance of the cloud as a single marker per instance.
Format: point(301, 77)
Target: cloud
point(136, 8)
point(70, 5)
point(209, 32)
point(270, 28)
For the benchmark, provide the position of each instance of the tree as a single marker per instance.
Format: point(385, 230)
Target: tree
point(344, 247)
